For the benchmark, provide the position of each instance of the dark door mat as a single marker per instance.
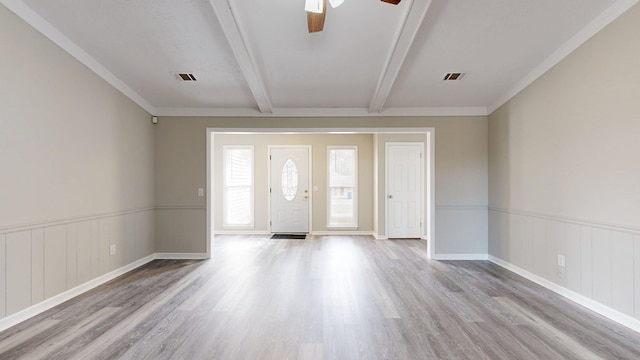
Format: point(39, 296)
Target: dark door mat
point(289, 236)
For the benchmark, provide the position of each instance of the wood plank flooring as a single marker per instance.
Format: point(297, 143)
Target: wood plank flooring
point(320, 298)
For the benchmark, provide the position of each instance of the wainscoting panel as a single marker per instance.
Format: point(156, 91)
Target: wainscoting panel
point(83, 251)
point(95, 248)
point(494, 234)
point(117, 238)
point(461, 230)
point(586, 262)
point(3, 276)
point(130, 247)
point(555, 240)
point(104, 230)
point(539, 245)
point(40, 261)
point(602, 261)
point(572, 238)
point(602, 266)
point(517, 250)
point(37, 266)
point(622, 287)
point(18, 271)
point(636, 264)
point(72, 255)
point(55, 260)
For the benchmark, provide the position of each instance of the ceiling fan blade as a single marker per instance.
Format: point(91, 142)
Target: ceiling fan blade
point(394, 2)
point(315, 21)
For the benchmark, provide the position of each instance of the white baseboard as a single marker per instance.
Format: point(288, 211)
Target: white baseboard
point(384, 237)
point(342, 233)
point(241, 232)
point(615, 315)
point(460, 257)
point(180, 256)
point(54, 301)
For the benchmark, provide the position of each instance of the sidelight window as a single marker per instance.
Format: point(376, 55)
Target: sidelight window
point(342, 191)
point(238, 186)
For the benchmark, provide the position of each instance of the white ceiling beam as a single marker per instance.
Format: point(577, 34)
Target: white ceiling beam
point(242, 52)
point(409, 26)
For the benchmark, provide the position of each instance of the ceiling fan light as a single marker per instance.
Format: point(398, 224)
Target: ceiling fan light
point(314, 6)
point(335, 3)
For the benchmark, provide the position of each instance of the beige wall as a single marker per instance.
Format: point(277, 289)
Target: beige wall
point(318, 145)
point(76, 160)
point(461, 175)
point(564, 175)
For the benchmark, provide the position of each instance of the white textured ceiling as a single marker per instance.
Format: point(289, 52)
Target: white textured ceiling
point(254, 57)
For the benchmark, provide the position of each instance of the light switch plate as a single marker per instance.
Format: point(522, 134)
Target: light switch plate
point(561, 260)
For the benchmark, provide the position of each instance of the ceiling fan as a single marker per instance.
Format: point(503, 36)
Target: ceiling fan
point(316, 10)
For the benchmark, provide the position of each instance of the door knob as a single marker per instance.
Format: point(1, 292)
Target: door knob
point(306, 197)
point(390, 196)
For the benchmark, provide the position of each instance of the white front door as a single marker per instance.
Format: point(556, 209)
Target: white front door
point(404, 190)
point(289, 188)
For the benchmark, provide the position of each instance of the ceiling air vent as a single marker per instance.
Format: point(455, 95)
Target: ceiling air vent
point(453, 76)
point(185, 77)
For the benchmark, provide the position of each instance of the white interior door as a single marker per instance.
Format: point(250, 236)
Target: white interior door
point(289, 187)
point(404, 190)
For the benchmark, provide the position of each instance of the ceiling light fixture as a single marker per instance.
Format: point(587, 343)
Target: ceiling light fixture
point(313, 6)
point(316, 10)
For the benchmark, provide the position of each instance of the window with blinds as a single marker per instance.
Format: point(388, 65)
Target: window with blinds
point(238, 186)
point(342, 207)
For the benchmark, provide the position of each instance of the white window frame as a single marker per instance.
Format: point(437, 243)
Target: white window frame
point(353, 225)
point(225, 150)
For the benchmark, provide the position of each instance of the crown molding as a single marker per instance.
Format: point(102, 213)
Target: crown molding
point(323, 112)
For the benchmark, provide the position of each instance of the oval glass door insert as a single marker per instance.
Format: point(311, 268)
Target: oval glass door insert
point(289, 180)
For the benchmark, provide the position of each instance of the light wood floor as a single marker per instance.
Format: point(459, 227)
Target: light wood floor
point(320, 298)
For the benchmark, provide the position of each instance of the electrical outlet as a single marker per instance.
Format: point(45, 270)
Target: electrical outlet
point(200, 192)
point(561, 260)
point(112, 249)
point(561, 272)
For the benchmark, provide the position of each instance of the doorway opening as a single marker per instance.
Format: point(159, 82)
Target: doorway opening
point(375, 176)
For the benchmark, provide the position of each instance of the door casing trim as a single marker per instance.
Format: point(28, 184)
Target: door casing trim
point(429, 133)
